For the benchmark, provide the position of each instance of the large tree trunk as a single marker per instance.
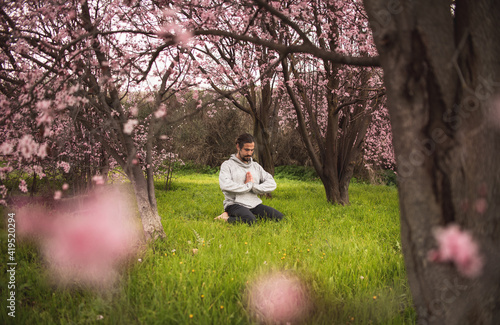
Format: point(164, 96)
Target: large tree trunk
point(441, 73)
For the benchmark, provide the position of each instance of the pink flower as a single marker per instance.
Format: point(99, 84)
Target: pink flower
point(161, 112)
point(458, 247)
point(27, 146)
point(6, 148)
point(64, 166)
point(57, 195)
point(85, 241)
point(65, 186)
point(98, 179)
point(278, 298)
point(128, 127)
point(42, 150)
point(23, 186)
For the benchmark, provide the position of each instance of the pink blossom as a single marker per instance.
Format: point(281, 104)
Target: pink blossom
point(183, 38)
point(87, 242)
point(161, 112)
point(458, 247)
point(57, 195)
point(27, 146)
point(65, 187)
point(6, 148)
point(64, 165)
point(128, 127)
point(23, 186)
point(98, 179)
point(42, 151)
point(278, 298)
point(134, 110)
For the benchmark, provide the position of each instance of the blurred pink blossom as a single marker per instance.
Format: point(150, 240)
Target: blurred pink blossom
point(128, 127)
point(6, 148)
point(457, 246)
point(161, 112)
point(23, 186)
point(27, 146)
point(278, 298)
point(66, 166)
point(86, 241)
point(57, 195)
point(98, 180)
point(481, 205)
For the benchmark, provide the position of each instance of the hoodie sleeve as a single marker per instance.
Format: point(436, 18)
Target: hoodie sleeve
point(267, 183)
point(227, 184)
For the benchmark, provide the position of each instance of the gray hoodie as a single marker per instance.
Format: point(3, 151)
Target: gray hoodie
point(232, 182)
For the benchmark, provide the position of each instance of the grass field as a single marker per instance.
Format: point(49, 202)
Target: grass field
point(349, 257)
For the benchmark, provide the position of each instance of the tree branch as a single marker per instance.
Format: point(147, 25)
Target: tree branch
point(304, 48)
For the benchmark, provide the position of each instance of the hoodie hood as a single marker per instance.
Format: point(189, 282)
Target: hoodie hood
point(241, 163)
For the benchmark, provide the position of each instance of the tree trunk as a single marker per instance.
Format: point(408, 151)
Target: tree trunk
point(264, 151)
point(442, 78)
point(151, 221)
point(332, 187)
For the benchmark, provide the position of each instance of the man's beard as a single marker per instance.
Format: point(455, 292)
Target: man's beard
point(245, 158)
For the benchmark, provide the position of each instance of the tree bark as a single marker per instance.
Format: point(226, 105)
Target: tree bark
point(151, 221)
point(441, 72)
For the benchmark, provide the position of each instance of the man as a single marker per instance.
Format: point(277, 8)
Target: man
point(241, 179)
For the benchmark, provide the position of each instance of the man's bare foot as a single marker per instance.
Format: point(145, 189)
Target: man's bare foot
point(224, 216)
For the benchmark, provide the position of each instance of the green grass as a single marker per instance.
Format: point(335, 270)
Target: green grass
point(350, 258)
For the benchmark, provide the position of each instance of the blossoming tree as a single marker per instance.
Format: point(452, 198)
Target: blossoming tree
point(78, 61)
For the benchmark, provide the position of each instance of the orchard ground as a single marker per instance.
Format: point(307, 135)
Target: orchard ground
point(349, 257)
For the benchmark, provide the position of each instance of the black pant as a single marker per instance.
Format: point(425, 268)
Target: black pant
point(240, 213)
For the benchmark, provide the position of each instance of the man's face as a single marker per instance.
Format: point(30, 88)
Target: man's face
point(245, 153)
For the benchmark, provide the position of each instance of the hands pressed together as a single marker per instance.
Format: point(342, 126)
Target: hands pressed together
point(249, 178)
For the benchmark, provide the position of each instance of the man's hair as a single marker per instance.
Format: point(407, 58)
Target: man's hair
point(244, 138)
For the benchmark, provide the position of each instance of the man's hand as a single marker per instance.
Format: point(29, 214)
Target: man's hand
point(249, 178)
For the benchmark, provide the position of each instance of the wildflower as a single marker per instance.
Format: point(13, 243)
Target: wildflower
point(191, 316)
point(221, 307)
point(202, 296)
point(374, 297)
